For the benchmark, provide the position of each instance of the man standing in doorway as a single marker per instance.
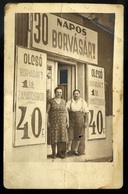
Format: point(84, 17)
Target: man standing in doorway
point(78, 121)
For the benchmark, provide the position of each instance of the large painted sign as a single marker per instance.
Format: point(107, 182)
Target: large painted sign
point(29, 97)
point(96, 102)
point(63, 37)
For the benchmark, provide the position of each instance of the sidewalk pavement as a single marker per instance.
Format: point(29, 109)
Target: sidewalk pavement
point(73, 158)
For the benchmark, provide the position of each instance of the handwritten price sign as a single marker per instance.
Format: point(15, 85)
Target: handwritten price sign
point(96, 101)
point(29, 97)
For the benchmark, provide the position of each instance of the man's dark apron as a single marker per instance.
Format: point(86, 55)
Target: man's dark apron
point(76, 129)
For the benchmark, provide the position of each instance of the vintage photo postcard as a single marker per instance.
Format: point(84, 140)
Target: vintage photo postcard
point(63, 96)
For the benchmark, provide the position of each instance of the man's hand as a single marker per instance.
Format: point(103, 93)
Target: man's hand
point(85, 125)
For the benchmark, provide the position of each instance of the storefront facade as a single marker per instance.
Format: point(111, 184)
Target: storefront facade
point(77, 54)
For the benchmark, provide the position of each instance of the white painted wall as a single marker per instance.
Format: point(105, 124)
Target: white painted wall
point(100, 148)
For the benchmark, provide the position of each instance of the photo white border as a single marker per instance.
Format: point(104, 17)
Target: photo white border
point(38, 175)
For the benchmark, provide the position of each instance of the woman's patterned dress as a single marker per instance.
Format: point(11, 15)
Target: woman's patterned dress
point(57, 120)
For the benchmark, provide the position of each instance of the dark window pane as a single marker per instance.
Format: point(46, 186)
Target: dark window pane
point(63, 77)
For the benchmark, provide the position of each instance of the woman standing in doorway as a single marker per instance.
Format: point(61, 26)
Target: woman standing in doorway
point(57, 122)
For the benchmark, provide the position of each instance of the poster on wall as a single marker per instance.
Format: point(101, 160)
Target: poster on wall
point(96, 102)
point(29, 97)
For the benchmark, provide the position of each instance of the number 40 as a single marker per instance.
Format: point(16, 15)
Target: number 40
point(25, 127)
point(98, 123)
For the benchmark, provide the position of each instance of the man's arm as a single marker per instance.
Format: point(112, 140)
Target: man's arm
point(68, 105)
point(86, 114)
point(86, 119)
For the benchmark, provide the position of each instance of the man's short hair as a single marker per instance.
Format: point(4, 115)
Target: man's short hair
point(76, 90)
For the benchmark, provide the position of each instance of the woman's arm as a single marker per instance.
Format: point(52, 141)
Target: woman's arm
point(48, 109)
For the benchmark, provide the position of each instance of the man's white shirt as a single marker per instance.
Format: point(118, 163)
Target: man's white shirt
point(80, 105)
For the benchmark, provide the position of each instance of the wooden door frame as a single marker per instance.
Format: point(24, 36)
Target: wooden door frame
point(71, 76)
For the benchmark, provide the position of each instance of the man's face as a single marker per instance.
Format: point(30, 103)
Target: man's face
point(76, 95)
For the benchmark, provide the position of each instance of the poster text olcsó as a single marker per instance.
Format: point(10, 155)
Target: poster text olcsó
point(30, 97)
point(63, 37)
point(96, 101)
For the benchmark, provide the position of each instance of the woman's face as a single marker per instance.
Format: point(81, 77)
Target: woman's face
point(58, 93)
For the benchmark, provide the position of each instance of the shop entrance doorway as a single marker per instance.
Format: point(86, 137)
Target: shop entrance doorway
point(67, 79)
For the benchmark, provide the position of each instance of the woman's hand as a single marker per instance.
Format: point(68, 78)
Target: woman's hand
point(48, 125)
point(67, 124)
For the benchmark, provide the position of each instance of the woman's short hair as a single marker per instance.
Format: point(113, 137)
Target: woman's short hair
point(76, 90)
point(57, 88)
